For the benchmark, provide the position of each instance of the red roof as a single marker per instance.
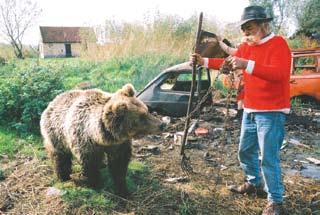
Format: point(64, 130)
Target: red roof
point(65, 34)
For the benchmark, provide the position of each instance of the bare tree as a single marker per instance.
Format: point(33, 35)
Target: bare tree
point(16, 16)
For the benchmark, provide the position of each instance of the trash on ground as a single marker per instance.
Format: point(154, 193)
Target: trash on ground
point(201, 131)
point(298, 143)
point(313, 160)
point(177, 179)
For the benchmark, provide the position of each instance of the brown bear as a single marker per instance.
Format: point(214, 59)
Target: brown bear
point(90, 123)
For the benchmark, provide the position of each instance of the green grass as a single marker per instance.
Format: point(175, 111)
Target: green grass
point(101, 200)
point(108, 75)
point(12, 144)
point(187, 207)
point(86, 198)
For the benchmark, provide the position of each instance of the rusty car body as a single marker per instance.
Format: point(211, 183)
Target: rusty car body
point(305, 76)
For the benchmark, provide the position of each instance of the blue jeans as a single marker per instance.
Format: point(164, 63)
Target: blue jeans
point(264, 132)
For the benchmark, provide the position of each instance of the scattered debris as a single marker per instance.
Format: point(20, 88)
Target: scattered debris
point(6, 203)
point(223, 167)
point(201, 131)
point(313, 160)
point(207, 155)
point(177, 139)
point(192, 126)
point(166, 120)
point(232, 112)
point(298, 143)
point(192, 138)
point(150, 148)
point(177, 179)
point(52, 191)
point(218, 129)
point(284, 144)
point(301, 161)
point(167, 135)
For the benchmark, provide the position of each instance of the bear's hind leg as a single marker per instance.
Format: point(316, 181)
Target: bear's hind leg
point(91, 163)
point(118, 160)
point(62, 161)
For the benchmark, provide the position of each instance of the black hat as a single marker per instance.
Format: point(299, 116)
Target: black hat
point(254, 13)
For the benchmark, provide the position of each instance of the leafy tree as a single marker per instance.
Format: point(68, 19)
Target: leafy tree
point(282, 11)
point(16, 16)
point(309, 19)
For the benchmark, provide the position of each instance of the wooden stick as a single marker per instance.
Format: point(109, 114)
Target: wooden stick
point(194, 68)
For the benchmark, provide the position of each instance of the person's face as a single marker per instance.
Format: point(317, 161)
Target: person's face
point(252, 32)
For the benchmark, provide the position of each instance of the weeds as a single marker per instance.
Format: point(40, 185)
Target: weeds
point(187, 207)
point(85, 198)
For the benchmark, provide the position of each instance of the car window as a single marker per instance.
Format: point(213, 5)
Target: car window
point(304, 62)
point(185, 77)
point(188, 76)
point(169, 83)
point(180, 82)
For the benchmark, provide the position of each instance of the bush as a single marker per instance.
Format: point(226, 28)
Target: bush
point(24, 93)
point(300, 42)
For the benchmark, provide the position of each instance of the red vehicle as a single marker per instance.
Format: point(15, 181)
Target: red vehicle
point(305, 78)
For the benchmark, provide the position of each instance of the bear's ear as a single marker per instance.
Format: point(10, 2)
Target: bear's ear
point(127, 90)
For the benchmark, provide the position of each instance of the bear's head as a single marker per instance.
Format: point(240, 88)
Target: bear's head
point(126, 117)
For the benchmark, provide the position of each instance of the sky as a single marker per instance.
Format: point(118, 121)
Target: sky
point(95, 12)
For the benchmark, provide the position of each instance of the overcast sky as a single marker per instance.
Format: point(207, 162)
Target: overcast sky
point(95, 12)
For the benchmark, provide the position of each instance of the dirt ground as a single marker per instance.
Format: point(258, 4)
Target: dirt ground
point(166, 189)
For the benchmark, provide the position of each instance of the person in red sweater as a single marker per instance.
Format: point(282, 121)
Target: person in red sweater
point(265, 60)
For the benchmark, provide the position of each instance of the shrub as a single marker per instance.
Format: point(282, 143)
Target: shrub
point(25, 92)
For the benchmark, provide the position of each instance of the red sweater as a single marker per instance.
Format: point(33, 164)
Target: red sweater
point(267, 88)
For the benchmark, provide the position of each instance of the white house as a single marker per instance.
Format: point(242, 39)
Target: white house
point(65, 41)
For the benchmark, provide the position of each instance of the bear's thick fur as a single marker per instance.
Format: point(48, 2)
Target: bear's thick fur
point(88, 123)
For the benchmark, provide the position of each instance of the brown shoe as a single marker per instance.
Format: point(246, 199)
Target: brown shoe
point(247, 188)
point(272, 209)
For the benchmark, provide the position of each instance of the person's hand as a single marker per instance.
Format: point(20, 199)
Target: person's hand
point(236, 62)
point(196, 59)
